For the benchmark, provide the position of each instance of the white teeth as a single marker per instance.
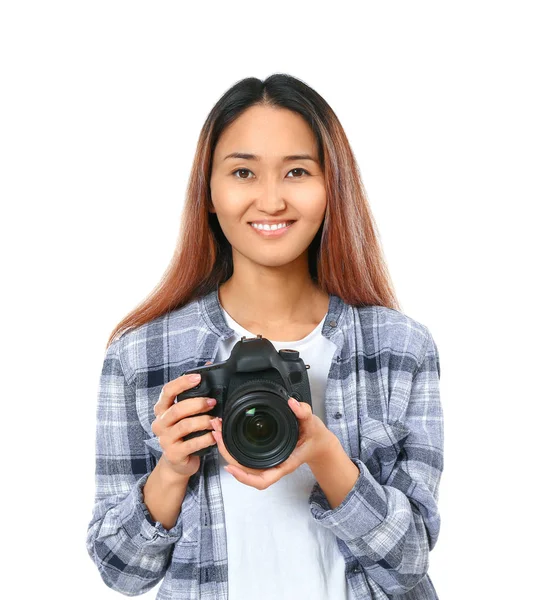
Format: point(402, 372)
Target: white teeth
point(268, 227)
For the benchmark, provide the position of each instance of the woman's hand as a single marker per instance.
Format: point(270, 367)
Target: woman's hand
point(315, 441)
point(174, 421)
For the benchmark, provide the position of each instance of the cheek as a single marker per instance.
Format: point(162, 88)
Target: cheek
point(314, 203)
point(227, 201)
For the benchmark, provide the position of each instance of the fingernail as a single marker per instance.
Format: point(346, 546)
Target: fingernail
point(211, 402)
point(195, 377)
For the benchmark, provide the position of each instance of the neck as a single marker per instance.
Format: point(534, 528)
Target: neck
point(273, 299)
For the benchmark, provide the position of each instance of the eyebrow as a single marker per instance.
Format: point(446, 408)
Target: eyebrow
point(289, 158)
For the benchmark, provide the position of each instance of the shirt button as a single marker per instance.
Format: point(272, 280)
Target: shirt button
point(333, 323)
point(337, 415)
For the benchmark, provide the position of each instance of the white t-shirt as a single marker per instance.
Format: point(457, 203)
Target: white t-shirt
point(275, 548)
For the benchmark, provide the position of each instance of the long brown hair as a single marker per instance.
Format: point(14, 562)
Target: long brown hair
point(345, 256)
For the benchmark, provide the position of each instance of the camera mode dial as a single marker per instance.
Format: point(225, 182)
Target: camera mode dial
point(287, 354)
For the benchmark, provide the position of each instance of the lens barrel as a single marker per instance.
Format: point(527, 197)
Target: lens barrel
point(259, 428)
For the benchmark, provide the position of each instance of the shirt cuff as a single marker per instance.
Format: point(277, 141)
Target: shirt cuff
point(363, 508)
point(139, 524)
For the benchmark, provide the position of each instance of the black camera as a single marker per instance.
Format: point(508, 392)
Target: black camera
point(252, 388)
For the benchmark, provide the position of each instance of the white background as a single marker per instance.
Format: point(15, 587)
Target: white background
point(449, 110)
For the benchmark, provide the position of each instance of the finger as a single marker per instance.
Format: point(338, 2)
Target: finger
point(218, 435)
point(224, 452)
point(181, 410)
point(185, 408)
point(188, 426)
point(187, 447)
point(260, 481)
point(301, 409)
point(222, 449)
point(171, 389)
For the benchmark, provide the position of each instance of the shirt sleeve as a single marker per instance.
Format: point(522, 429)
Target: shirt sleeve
point(129, 548)
point(391, 525)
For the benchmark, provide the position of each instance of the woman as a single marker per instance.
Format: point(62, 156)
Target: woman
point(352, 512)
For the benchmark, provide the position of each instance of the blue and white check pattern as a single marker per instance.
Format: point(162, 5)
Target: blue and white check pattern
point(382, 402)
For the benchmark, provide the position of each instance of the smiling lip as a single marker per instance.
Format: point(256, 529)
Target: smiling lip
point(272, 233)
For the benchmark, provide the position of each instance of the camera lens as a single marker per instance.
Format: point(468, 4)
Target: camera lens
point(259, 427)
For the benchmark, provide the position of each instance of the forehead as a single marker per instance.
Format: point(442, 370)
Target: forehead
point(268, 132)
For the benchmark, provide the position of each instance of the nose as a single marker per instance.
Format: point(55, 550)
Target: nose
point(269, 198)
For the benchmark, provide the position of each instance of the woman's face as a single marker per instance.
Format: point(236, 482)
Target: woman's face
point(270, 188)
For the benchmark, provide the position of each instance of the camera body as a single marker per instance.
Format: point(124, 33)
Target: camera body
point(252, 388)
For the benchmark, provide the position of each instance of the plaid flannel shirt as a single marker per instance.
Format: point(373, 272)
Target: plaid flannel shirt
point(382, 402)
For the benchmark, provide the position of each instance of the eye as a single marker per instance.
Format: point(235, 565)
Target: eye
point(249, 171)
point(298, 169)
point(238, 170)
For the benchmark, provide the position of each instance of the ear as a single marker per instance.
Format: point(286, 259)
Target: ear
point(211, 207)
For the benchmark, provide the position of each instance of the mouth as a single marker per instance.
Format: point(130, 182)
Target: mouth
point(272, 233)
